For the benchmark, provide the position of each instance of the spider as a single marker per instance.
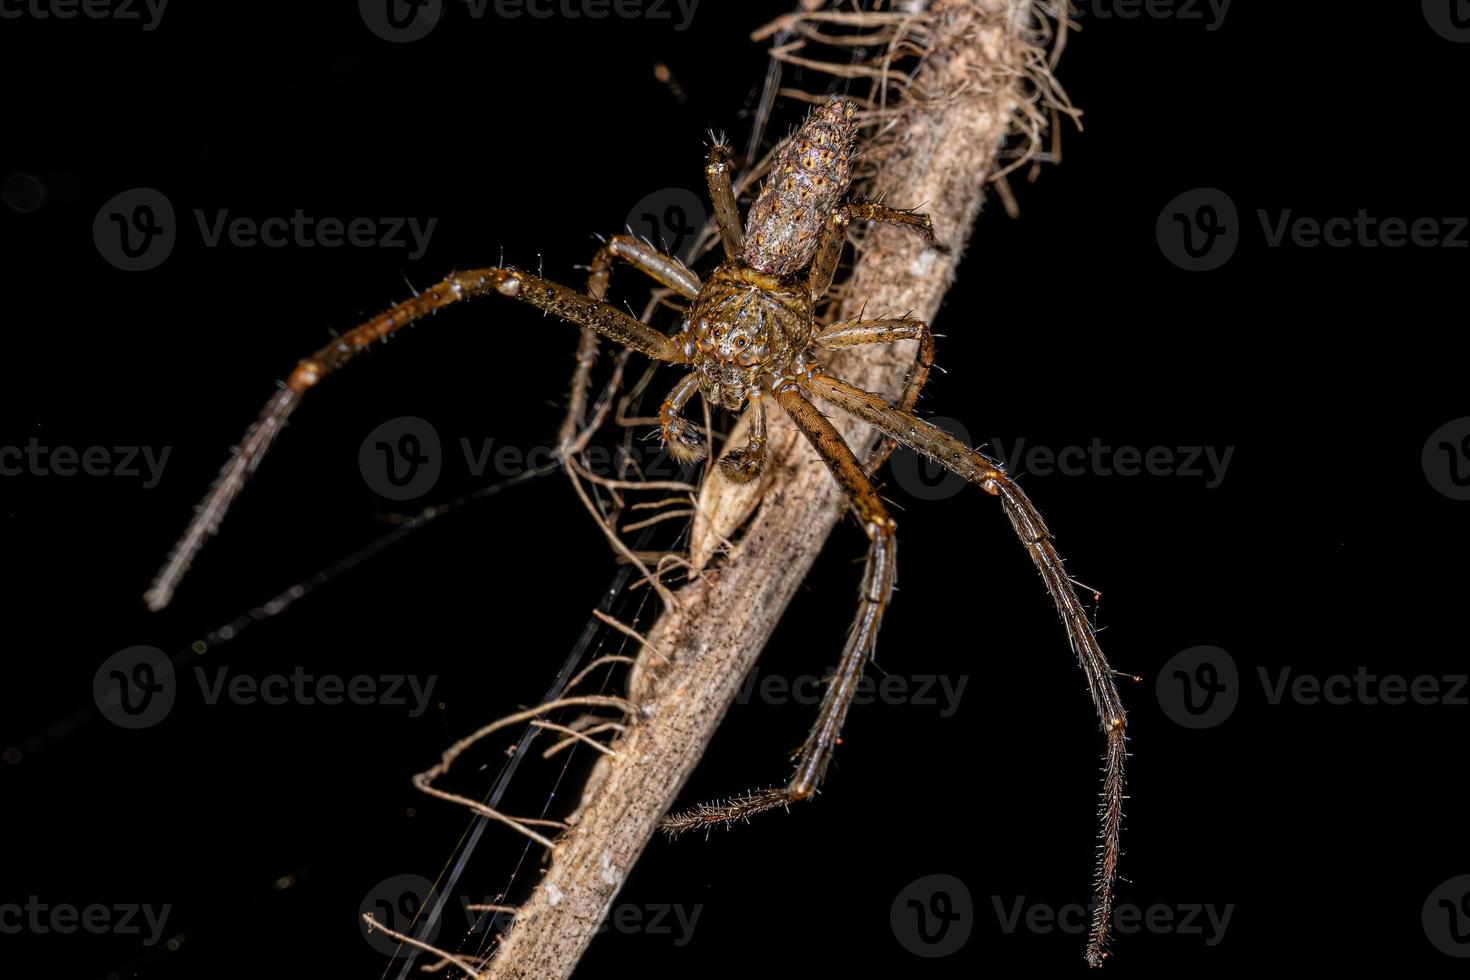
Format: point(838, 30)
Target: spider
point(749, 337)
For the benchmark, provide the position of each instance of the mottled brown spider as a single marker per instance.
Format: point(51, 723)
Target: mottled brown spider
point(749, 337)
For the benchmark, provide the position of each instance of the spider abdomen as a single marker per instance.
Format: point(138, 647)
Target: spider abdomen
point(808, 180)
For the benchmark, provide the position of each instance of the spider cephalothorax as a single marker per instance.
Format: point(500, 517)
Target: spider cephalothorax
point(744, 328)
point(748, 338)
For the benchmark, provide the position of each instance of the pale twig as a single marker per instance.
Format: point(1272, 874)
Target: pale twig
point(630, 632)
point(667, 516)
point(578, 736)
point(599, 662)
point(444, 955)
point(424, 781)
point(665, 596)
point(607, 726)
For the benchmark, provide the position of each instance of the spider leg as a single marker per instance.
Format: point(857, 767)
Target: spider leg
point(877, 588)
point(744, 465)
point(954, 455)
point(853, 333)
point(722, 196)
point(834, 236)
point(681, 440)
point(551, 297)
point(658, 266)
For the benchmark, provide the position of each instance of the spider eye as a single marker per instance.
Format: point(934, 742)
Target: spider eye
point(742, 342)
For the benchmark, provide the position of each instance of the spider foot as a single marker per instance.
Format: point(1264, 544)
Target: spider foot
point(726, 812)
point(742, 465)
point(681, 440)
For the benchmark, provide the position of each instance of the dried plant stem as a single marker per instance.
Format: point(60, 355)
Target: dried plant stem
point(975, 87)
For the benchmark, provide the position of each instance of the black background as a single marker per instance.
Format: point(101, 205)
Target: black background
point(1324, 547)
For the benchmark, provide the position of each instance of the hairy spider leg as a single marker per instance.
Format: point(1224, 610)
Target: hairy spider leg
point(853, 333)
point(659, 266)
point(680, 438)
point(743, 464)
point(834, 237)
point(815, 754)
point(954, 455)
point(568, 304)
point(877, 589)
point(722, 196)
